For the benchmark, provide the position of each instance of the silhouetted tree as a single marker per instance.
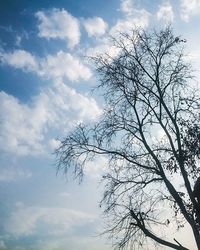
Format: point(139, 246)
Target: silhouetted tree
point(150, 133)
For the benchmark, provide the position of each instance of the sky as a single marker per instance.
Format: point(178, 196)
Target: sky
point(45, 90)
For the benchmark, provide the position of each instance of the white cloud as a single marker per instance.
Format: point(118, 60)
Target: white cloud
point(132, 13)
point(140, 19)
point(97, 167)
point(189, 8)
point(64, 65)
point(54, 144)
point(59, 24)
point(103, 47)
point(18, 128)
point(165, 13)
point(127, 7)
point(20, 59)
point(26, 220)
point(95, 26)
point(25, 128)
point(132, 18)
point(59, 65)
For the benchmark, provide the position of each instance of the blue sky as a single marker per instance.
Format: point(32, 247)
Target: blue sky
point(45, 86)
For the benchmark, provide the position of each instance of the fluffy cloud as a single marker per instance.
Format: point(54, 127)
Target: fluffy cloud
point(140, 19)
point(59, 65)
point(127, 7)
point(189, 8)
point(103, 48)
point(27, 220)
point(95, 26)
point(64, 65)
point(20, 59)
point(133, 17)
point(25, 128)
point(20, 126)
point(59, 24)
point(165, 13)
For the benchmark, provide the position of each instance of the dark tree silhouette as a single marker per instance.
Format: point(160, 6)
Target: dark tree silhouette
point(150, 133)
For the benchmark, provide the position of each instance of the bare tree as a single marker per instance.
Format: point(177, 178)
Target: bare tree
point(150, 133)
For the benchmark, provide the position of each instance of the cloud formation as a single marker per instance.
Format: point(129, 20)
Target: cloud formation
point(189, 8)
point(127, 7)
point(95, 26)
point(58, 24)
point(60, 65)
point(25, 127)
point(139, 18)
point(132, 18)
point(19, 59)
point(27, 220)
point(96, 167)
point(165, 13)
point(64, 65)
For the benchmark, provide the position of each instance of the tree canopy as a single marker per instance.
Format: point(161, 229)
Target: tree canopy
point(149, 131)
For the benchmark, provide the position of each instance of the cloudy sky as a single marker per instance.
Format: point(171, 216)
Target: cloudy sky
point(46, 87)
